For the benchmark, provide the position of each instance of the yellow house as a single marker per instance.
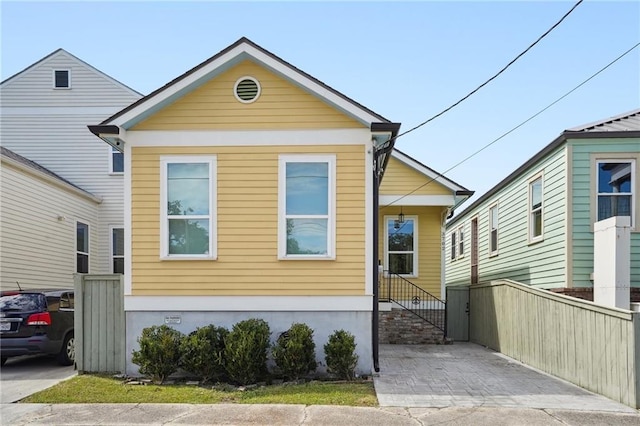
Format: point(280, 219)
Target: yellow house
point(250, 191)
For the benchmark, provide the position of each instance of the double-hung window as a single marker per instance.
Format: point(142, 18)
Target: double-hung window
point(535, 210)
point(306, 200)
point(117, 250)
point(493, 230)
point(615, 188)
point(116, 161)
point(401, 246)
point(82, 248)
point(188, 195)
point(461, 242)
point(454, 244)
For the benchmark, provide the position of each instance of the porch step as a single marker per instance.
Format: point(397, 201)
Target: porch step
point(401, 327)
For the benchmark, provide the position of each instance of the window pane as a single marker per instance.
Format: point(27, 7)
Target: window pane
point(62, 78)
point(614, 178)
point(537, 223)
point(307, 236)
point(453, 246)
point(536, 193)
point(188, 236)
point(307, 187)
point(118, 265)
point(117, 161)
point(118, 242)
point(494, 240)
point(82, 237)
point(188, 188)
point(82, 263)
point(400, 239)
point(461, 243)
point(494, 217)
point(401, 263)
point(613, 205)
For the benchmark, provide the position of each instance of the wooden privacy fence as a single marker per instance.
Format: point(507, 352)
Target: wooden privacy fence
point(99, 323)
point(594, 347)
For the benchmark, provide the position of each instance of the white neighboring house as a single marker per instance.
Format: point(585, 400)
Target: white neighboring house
point(56, 169)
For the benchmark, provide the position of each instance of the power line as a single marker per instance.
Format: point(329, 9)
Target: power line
point(516, 127)
point(494, 77)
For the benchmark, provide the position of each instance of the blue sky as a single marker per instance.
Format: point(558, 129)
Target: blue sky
point(406, 61)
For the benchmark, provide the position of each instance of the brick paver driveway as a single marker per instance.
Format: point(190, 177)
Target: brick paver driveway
point(469, 375)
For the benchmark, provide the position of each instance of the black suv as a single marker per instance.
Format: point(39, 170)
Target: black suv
point(37, 322)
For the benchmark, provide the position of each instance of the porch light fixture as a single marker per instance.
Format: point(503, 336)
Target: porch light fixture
point(401, 216)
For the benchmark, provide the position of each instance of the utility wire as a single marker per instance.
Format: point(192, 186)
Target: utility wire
point(494, 77)
point(516, 127)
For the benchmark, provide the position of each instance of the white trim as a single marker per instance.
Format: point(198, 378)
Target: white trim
point(235, 89)
point(249, 303)
point(56, 110)
point(76, 251)
point(490, 228)
point(113, 150)
point(418, 200)
point(330, 159)
point(416, 235)
point(441, 179)
point(453, 245)
point(530, 182)
point(53, 74)
point(127, 223)
point(223, 62)
point(51, 179)
point(212, 216)
point(178, 138)
point(368, 220)
point(111, 255)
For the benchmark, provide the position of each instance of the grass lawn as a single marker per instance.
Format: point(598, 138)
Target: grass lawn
point(89, 388)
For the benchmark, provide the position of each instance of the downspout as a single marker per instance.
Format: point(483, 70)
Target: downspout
point(376, 275)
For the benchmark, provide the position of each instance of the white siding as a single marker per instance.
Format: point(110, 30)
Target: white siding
point(36, 248)
point(49, 126)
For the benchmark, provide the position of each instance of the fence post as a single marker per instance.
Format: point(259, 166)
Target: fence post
point(78, 321)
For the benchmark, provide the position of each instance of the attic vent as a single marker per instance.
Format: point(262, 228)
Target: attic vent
point(61, 79)
point(247, 89)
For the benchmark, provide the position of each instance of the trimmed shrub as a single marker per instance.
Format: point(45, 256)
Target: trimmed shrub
point(202, 352)
point(159, 353)
point(294, 352)
point(245, 352)
point(340, 355)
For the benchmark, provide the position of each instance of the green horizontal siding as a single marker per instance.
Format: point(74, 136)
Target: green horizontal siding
point(541, 264)
point(582, 232)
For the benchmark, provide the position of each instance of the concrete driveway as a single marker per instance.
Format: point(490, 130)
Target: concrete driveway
point(469, 375)
point(23, 376)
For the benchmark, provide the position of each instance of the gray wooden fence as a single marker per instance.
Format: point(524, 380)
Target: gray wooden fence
point(594, 347)
point(99, 323)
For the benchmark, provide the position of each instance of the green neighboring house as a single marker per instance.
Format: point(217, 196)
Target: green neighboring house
point(536, 226)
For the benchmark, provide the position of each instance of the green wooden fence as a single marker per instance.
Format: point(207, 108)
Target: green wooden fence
point(594, 347)
point(99, 323)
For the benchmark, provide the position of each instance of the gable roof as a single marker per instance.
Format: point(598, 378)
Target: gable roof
point(240, 50)
point(35, 168)
point(625, 125)
point(76, 59)
point(456, 188)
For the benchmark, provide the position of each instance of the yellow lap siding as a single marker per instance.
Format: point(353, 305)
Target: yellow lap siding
point(401, 179)
point(429, 244)
point(247, 219)
point(281, 105)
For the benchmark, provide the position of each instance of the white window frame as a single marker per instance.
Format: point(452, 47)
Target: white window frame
point(112, 151)
point(454, 245)
point(531, 211)
point(53, 75)
point(88, 252)
point(460, 249)
point(633, 193)
point(391, 219)
point(212, 217)
point(331, 207)
point(112, 256)
point(491, 227)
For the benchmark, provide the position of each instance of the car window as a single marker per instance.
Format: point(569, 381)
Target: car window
point(67, 301)
point(22, 302)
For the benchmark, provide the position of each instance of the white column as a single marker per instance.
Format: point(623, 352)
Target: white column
point(612, 262)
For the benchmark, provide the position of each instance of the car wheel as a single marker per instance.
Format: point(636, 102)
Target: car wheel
point(67, 354)
point(3, 360)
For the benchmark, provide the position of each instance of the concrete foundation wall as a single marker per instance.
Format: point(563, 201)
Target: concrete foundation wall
point(401, 327)
point(322, 323)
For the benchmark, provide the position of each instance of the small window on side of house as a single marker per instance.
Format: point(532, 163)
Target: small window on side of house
point(82, 248)
point(453, 245)
point(117, 250)
point(615, 189)
point(536, 225)
point(61, 79)
point(461, 242)
point(493, 230)
point(116, 161)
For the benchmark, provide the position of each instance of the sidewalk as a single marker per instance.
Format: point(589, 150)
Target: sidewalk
point(235, 414)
